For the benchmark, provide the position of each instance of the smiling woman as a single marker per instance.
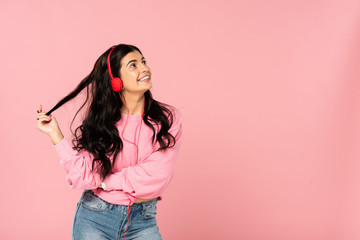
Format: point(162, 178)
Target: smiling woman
point(136, 75)
point(121, 165)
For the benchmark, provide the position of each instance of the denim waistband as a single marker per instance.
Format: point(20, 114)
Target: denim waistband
point(135, 206)
point(146, 203)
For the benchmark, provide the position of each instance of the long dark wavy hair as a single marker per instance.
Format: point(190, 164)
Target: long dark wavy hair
point(98, 133)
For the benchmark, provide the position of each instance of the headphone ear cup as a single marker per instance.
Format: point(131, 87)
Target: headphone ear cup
point(116, 84)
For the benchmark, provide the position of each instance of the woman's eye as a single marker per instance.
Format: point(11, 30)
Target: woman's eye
point(133, 65)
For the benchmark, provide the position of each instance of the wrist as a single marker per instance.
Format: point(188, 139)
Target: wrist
point(103, 186)
point(56, 137)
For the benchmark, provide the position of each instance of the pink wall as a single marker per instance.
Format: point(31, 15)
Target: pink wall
point(269, 92)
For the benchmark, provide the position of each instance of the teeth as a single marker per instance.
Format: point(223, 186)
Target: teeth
point(144, 78)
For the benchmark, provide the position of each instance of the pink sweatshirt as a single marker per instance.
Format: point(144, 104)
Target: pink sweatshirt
point(130, 179)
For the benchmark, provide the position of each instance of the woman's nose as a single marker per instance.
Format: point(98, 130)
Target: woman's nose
point(145, 68)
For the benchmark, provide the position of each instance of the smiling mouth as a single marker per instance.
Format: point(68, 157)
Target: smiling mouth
point(145, 79)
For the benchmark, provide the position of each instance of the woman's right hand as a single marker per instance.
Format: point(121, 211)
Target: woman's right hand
point(47, 124)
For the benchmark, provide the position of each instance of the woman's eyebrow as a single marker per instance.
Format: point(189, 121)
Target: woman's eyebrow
point(134, 60)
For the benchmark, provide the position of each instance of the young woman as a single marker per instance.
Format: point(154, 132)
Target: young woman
point(123, 154)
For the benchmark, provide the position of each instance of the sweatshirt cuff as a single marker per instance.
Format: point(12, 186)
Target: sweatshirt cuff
point(64, 149)
point(107, 184)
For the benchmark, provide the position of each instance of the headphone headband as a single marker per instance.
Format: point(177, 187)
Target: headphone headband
point(108, 63)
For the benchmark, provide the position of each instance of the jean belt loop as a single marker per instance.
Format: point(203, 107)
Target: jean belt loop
point(110, 206)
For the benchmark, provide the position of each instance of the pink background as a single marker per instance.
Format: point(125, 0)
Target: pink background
point(269, 92)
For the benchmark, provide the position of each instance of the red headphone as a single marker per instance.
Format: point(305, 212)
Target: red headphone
point(116, 82)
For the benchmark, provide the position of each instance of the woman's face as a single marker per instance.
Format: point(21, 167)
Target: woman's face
point(134, 68)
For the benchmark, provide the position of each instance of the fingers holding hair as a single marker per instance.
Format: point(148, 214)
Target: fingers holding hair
point(42, 115)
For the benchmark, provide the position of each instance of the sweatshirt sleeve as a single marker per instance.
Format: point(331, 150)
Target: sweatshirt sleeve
point(150, 177)
point(78, 166)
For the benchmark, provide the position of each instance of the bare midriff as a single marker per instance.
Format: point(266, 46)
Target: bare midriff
point(140, 200)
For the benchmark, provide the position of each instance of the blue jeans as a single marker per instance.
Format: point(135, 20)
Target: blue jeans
point(97, 219)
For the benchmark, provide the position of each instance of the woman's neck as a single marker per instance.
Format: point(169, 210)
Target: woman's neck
point(134, 103)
